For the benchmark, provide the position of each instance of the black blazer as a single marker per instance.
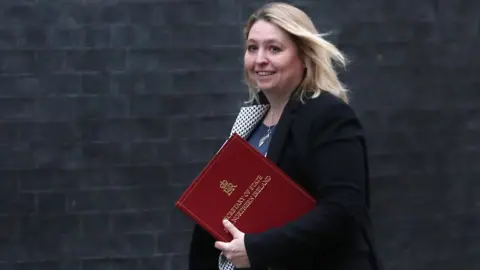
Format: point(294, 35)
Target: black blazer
point(321, 145)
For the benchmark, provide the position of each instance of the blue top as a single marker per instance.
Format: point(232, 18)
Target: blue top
point(260, 131)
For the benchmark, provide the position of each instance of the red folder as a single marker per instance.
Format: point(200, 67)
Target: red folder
point(243, 186)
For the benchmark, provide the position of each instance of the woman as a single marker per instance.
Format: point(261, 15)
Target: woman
point(299, 118)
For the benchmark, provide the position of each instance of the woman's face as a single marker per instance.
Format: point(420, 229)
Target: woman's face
point(271, 59)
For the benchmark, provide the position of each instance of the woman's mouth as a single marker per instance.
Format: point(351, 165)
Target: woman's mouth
point(264, 73)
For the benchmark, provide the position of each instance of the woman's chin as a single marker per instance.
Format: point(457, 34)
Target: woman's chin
point(265, 86)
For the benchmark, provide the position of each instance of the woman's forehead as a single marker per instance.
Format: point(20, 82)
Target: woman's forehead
point(262, 31)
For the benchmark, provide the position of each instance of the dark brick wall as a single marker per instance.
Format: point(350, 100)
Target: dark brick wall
point(109, 108)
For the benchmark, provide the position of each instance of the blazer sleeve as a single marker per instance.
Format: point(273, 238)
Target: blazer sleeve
point(203, 255)
point(336, 166)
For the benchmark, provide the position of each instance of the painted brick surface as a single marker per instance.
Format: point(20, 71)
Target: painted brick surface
point(108, 109)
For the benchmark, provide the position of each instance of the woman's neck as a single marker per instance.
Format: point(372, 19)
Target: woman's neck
point(277, 101)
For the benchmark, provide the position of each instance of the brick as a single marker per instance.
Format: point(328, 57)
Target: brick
point(36, 180)
point(140, 221)
point(156, 106)
point(100, 246)
point(458, 10)
point(97, 36)
point(63, 155)
point(16, 203)
point(32, 226)
point(59, 84)
point(152, 262)
point(51, 203)
point(182, 59)
point(142, 83)
point(9, 38)
point(46, 179)
point(177, 262)
point(51, 265)
point(54, 132)
point(206, 81)
point(18, 61)
point(179, 221)
point(14, 132)
point(96, 60)
point(177, 105)
point(139, 175)
point(457, 30)
point(116, 250)
point(187, 35)
point(144, 153)
point(95, 224)
point(123, 263)
point(376, 32)
point(21, 86)
point(15, 157)
point(10, 181)
point(145, 60)
point(123, 130)
point(105, 153)
point(194, 150)
point(141, 11)
point(96, 264)
point(216, 127)
point(105, 107)
point(119, 199)
point(48, 13)
point(81, 179)
point(79, 13)
point(9, 227)
point(136, 36)
point(472, 119)
point(424, 31)
point(408, 10)
point(50, 61)
point(95, 201)
point(160, 36)
point(182, 127)
point(67, 37)
point(196, 12)
point(16, 108)
point(141, 244)
point(20, 14)
point(183, 174)
point(113, 13)
point(172, 242)
point(55, 108)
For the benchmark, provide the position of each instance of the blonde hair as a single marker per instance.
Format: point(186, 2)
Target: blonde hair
point(318, 55)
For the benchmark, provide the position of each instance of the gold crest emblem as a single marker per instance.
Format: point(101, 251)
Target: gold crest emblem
point(227, 187)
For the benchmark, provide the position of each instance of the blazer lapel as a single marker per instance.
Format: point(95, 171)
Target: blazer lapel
point(281, 131)
point(277, 142)
point(248, 118)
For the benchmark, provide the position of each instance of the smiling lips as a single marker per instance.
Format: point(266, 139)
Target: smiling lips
point(264, 73)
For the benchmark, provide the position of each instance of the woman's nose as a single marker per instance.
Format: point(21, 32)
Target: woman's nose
point(260, 57)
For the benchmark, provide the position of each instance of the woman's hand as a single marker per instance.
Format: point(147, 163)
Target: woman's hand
point(234, 250)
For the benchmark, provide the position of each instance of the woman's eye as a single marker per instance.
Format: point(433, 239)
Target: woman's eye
point(275, 49)
point(251, 48)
